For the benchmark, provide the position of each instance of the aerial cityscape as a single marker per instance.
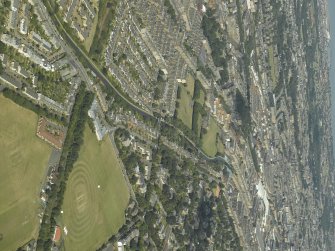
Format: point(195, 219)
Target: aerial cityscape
point(167, 125)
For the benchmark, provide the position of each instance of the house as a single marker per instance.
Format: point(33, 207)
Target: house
point(40, 41)
point(161, 231)
point(142, 187)
point(61, 63)
point(15, 5)
point(51, 103)
point(71, 9)
point(23, 72)
point(144, 150)
point(101, 98)
point(44, 197)
point(76, 26)
point(89, 8)
point(26, 9)
point(14, 83)
point(68, 72)
point(57, 234)
point(31, 93)
point(126, 240)
point(147, 172)
point(100, 129)
point(3, 59)
point(14, 66)
point(27, 51)
point(23, 27)
point(82, 33)
point(13, 15)
point(120, 246)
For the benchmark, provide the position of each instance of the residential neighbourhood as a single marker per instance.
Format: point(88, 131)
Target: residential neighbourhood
point(166, 125)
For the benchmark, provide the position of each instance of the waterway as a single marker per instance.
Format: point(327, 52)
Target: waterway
point(331, 15)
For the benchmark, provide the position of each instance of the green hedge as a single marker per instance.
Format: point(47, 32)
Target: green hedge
point(70, 152)
point(28, 104)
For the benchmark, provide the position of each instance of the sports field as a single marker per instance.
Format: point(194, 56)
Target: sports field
point(185, 109)
point(96, 196)
point(24, 158)
point(209, 142)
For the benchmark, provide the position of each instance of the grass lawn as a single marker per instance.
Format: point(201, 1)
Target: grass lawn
point(24, 158)
point(190, 85)
point(273, 64)
point(185, 109)
point(201, 99)
point(92, 214)
point(209, 138)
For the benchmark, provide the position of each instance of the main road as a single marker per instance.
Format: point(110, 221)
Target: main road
point(88, 62)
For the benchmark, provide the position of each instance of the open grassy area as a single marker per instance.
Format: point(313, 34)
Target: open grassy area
point(24, 158)
point(273, 64)
point(185, 108)
point(208, 140)
point(201, 99)
point(91, 213)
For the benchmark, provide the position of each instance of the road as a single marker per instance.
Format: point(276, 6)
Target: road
point(73, 59)
point(91, 65)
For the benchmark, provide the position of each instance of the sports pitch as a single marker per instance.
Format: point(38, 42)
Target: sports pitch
point(209, 142)
point(96, 196)
point(24, 158)
point(185, 109)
